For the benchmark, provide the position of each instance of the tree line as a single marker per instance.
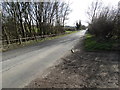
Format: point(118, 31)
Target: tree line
point(104, 21)
point(32, 19)
point(79, 26)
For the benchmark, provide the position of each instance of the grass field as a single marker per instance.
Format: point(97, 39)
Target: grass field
point(92, 44)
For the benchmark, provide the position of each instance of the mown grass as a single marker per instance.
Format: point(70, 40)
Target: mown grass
point(68, 31)
point(92, 44)
point(31, 42)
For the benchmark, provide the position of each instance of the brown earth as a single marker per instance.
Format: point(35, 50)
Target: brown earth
point(82, 69)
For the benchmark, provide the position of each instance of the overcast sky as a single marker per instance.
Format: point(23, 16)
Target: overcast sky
point(79, 8)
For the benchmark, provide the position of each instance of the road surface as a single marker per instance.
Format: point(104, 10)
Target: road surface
point(20, 66)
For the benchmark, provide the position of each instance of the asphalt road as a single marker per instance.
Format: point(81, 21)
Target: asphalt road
point(20, 66)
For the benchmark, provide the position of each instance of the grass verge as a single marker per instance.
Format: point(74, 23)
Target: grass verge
point(92, 44)
point(31, 42)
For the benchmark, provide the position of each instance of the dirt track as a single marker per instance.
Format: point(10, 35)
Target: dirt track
point(82, 69)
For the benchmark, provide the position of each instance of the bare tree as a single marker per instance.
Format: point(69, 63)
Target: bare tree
point(94, 9)
point(28, 19)
point(104, 22)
